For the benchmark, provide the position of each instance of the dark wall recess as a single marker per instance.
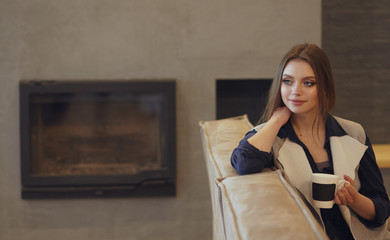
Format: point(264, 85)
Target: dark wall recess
point(242, 96)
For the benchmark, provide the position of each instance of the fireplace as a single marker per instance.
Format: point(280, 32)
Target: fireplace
point(97, 138)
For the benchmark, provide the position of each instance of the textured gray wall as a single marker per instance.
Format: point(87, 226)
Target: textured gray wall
point(356, 35)
point(194, 42)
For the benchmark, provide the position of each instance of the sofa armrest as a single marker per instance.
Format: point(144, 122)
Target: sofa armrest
point(219, 138)
point(264, 206)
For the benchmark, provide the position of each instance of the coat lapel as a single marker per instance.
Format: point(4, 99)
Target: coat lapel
point(296, 165)
point(346, 153)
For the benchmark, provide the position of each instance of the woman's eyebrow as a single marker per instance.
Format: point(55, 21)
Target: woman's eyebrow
point(286, 75)
point(308, 77)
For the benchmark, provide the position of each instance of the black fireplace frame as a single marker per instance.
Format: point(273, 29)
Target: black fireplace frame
point(143, 184)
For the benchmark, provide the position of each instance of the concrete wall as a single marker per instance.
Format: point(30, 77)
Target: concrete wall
point(194, 42)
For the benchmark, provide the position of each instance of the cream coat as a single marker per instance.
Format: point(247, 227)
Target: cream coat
point(347, 152)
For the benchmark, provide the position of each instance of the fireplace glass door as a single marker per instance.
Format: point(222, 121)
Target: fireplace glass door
point(113, 134)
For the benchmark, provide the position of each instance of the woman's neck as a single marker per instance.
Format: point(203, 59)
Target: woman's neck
point(306, 125)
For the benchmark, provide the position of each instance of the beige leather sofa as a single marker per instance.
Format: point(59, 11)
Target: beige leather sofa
point(255, 206)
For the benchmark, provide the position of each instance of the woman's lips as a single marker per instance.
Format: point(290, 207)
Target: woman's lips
point(297, 102)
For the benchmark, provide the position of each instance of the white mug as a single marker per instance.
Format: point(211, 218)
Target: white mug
point(324, 188)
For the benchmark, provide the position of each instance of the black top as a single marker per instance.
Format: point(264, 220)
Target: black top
point(248, 159)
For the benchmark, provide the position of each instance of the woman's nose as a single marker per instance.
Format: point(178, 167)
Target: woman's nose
point(297, 89)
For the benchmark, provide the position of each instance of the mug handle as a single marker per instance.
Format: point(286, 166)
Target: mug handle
point(340, 184)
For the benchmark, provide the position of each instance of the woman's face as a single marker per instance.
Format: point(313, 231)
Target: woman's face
point(299, 88)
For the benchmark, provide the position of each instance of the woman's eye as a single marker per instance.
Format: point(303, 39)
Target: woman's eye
point(286, 81)
point(309, 83)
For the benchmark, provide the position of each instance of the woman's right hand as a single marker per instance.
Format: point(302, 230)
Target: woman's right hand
point(265, 137)
point(281, 115)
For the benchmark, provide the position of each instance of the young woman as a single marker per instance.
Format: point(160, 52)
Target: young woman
point(299, 135)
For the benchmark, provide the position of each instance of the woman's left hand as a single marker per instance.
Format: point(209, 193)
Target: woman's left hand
point(347, 195)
